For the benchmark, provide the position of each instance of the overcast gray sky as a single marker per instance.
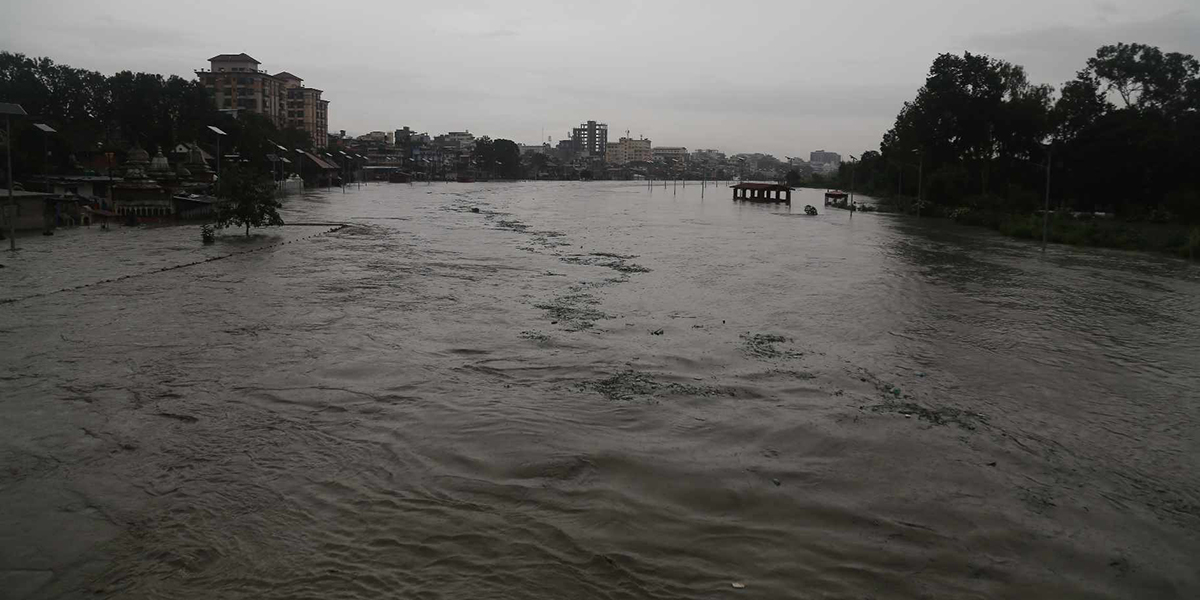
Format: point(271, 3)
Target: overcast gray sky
point(778, 76)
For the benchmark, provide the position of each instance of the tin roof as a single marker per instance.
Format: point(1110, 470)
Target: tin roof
point(320, 162)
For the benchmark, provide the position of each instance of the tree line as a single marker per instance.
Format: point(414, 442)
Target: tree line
point(1122, 137)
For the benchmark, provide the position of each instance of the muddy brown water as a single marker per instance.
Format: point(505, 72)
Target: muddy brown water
point(595, 390)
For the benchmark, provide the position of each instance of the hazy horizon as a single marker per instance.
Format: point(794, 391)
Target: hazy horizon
point(784, 78)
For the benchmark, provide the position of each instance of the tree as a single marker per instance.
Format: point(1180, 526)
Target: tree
point(250, 200)
point(972, 124)
point(508, 156)
point(1145, 77)
point(1080, 104)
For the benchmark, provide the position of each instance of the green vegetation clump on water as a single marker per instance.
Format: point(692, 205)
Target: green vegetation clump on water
point(943, 415)
point(630, 384)
point(763, 345)
point(574, 310)
point(616, 262)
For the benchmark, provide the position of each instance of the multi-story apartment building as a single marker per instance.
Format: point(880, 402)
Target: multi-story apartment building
point(464, 140)
point(527, 149)
point(305, 109)
point(823, 157)
point(590, 137)
point(708, 155)
point(380, 137)
point(675, 154)
point(627, 150)
point(236, 83)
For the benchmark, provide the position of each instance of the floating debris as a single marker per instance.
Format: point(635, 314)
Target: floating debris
point(943, 415)
point(575, 309)
point(616, 262)
point(512, 225)
point(761, 345)
point(791, 373)
point(630, 384)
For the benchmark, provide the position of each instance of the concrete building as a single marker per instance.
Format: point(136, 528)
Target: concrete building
point(29, 211)
point(464, 140)
point(825, 158)
point(627, 150)
point(237, 84)
point(590, 137)
point(708, 155)
point(379, 137)
point(527, 149)
point(676, 154)
point(305, 109)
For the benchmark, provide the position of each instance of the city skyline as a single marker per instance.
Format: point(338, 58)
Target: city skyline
point(771, 77)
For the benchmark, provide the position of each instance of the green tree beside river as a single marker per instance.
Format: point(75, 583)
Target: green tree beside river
point(1122, 139)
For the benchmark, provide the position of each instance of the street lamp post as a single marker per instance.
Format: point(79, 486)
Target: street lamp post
point(220, 134)
point(9, 110)
point(300, 170)
point(47, 130)
point(920, 181)
point(853, 164)
point(281, 184)
point(345, 169)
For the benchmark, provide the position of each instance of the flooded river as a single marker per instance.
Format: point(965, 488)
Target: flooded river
point(595, 390)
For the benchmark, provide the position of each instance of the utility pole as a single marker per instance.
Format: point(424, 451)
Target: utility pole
point(12, 205)
point(920, 182)
point(1046, 208)
point(9, 110)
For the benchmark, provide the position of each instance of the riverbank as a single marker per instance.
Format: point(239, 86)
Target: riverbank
point(1175, 239)
point(1165, 238)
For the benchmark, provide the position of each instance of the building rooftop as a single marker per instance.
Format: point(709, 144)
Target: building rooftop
point(18, 194)
point(233, 57)
point(74, 178)
point(286, 75)
point(761, 186)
